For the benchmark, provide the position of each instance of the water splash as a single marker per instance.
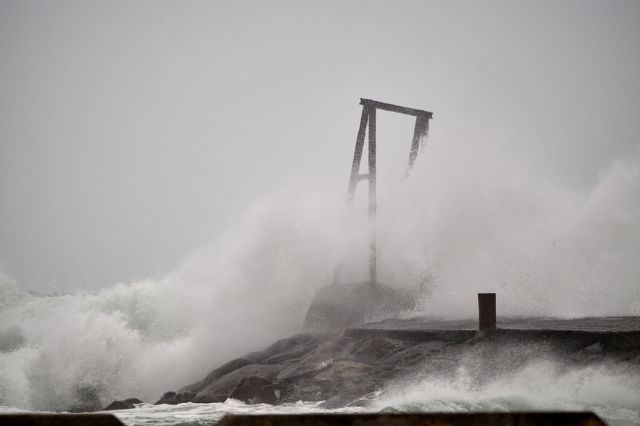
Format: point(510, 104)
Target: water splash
point(610, 390)
point(455, 227)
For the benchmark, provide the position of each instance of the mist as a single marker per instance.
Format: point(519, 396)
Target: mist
point(173, 178)
point(134, 134)
point(531, 242)
point(530, 377)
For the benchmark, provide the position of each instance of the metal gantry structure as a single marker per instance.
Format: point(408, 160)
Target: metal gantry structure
point(368, 119)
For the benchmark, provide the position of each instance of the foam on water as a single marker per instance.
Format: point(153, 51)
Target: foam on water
point(205, 414)
point(610, 390)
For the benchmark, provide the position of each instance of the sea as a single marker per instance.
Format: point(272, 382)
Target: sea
point(610, 389)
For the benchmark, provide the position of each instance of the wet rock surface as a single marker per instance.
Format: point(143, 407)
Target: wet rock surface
point(119, 405)
point(174, 398)
point(125, 404)
point(221, 389)
point(347, 368)
point(255, 390)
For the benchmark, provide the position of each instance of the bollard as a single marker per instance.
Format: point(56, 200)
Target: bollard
point(487, 311)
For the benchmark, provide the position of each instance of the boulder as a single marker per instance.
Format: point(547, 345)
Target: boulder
point(372, 349)
point(222, 388)
point(286, 349)
point(119, 405)
point(326, 380)
point(307, 367)
point(224, 370)
point(187, 393)
point(343, 370)
point(354, 396)
point(595, 349)
point(255, 390)
point(174, 398)
point(214, 375)
point(340, 306)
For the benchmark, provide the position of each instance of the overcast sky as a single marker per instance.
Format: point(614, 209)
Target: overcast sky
point(132, 133)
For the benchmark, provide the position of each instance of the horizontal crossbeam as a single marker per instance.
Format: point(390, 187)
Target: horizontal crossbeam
point(395, 108)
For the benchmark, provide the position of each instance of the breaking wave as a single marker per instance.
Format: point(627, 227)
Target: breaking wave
point(454, 228)
point(610, 390)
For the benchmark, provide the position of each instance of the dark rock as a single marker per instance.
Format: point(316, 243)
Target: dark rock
point(343, 375)
point(225, 369)
point(344, 370)
point(307, 367)
point(303, 389)
point(351, 397)
point(124, 404)
point(318, 359)
point(339, 306)
point(214, 375)
point(410, 356)
point(254, 390)
point(595, 348)
point(284, 349)
point(221, 389)
point(294, 354)
point(119, 405)
point(589, 354)
point(374, 348)
point(174, 398)
point(331, 379)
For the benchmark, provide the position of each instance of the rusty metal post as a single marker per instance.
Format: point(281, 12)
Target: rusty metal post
point(486, 311)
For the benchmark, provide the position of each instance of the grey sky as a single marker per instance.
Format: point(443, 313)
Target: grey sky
point(133, 132)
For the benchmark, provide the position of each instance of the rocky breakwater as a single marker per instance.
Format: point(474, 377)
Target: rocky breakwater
point(349, 368)
point(308, 367)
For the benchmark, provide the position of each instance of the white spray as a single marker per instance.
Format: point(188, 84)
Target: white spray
point(455, 227)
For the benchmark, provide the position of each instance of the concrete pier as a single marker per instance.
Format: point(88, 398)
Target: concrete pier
point(58, 419)
point(425, 419)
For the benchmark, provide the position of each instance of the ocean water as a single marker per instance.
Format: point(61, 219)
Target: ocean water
point(204, 414)
point(455, 227)
point(609, 388)
point(611, 392)
point(428, 396)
